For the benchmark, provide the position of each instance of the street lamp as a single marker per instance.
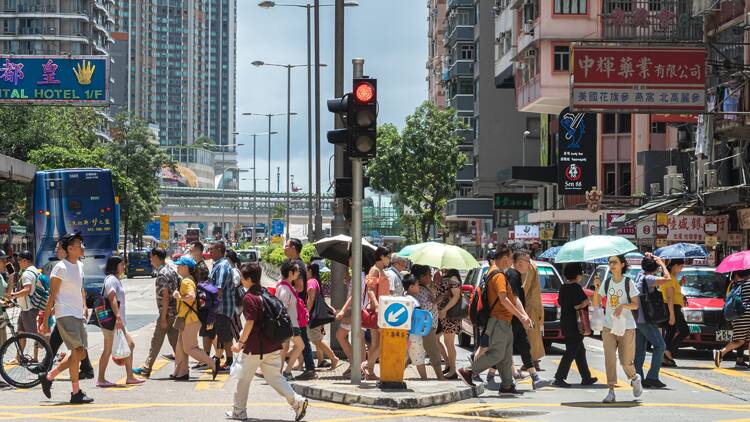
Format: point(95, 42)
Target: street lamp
point(289, 67)
point(526, 134)
point(316, 6)
point(223, 170)
point(255, 192)
point(270, 115)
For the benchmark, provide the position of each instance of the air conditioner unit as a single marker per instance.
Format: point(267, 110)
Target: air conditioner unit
point(528, 28)
point(655, 189)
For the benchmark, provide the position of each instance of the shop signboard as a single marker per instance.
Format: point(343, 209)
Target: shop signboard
point(514, 201)
point(734, 239)
point(546, 234)
point(526, 232)
point(576, 153)
point(637, 79)
point(50, 79)
point(743, 216)
point(710, 241)
point(624, 231)
point(645, 229)
point(691, 228)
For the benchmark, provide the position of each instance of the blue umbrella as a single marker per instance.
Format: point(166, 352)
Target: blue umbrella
point(628, 256)
point(682, 251)
point(549, 253)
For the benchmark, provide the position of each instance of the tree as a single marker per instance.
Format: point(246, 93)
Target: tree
point(420, 164)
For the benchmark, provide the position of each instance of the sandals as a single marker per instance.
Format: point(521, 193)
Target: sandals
point(135, 381)
point(105, 384)
point(717, 358)
point(367, 374)
point(668, 362)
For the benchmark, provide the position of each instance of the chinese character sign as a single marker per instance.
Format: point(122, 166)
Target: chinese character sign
point(691, 228)
point(576, 153)
point(64, 80)
point(639, 79)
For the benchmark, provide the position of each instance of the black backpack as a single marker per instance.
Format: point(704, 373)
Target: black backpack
point(479, 308)
point(276, 324)
point(652, 303)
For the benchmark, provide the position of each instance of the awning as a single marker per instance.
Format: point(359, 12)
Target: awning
point(647, 210)
point(682, 208)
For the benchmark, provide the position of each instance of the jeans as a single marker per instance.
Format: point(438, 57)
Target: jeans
point(271, 369)
point(499, 352)
point(307, 353)
point(648, 332)
point(574, 350)
point(55, 341)
point(675, 334)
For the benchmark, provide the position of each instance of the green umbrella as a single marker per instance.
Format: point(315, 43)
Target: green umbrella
point(439, 255)
point(593, 247)
point(406, 251)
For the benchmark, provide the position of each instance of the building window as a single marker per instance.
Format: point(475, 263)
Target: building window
point(467, 52)
point(623, 170)
point(623, 123)
point(562, 58)
point(658, 127)
point(465, 86)
point(616, 123)
point(610, 182)
point(570, 7)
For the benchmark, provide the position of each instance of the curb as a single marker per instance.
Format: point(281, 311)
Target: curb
point(376, 398)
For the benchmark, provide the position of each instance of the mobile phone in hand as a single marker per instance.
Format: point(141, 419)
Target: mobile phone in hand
point(9, 268)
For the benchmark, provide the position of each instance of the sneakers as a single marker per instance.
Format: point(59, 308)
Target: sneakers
point(590, 381)
point(649, 383)
point(168, 356)
point(86, 375)
point(505, 391)
point(637, 386)
point(610, 397)
point(46, 385)
point(142, 372)
point(520, 376)
point(561, 383)
point(541, 383)
point(466, 376)
point(300, 408)
point(80, 398)
point(717, 358)
point(235, 415)
point(305, 376)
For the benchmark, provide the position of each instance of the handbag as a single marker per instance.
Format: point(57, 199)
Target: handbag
point(584, 324)
point(460, 310)
point(369, 317)
point(321, 313)
point(179, 323)
point(102, 315)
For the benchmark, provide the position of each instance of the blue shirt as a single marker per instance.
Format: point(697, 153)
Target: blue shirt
point(221, 277)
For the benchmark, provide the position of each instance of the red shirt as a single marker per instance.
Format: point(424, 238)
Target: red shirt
point(252, 308)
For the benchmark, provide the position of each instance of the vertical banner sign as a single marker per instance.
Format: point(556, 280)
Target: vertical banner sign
point(544, 140)
point(164, 228)
point(576, 153)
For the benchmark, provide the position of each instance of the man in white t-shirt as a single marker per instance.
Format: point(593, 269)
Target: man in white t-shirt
point(67, 297)
point(393, 272)
point(27, 284)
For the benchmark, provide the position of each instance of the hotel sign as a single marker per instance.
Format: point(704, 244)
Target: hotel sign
point(61, 80)
point(635, 79)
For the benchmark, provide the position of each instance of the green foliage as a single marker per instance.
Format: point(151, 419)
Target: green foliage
point(419, 165)
point(277, 256)
point(308, 251)
point(278, 210)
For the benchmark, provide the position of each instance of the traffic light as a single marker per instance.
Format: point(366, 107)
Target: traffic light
point(340, 106)
point(362, 118)
point(342, 187)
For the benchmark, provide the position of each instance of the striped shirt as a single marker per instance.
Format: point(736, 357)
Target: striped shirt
point(221, 277)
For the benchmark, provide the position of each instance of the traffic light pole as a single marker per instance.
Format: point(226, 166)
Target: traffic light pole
point(356, 229)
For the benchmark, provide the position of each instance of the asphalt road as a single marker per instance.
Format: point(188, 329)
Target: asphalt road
point(696, 392)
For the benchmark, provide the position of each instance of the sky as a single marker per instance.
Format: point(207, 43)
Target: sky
point(391, 35)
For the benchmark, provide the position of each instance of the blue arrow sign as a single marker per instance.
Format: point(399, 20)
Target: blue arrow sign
point(396, 314)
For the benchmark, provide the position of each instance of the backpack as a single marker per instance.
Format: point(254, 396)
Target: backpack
point(479, 309)
point(276, 324)
point(733, 305)
point(40, 294)
point(207, 299)
point(652, 304)
point(303, 316)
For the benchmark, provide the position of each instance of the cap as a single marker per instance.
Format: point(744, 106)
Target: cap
point(186, 261)
point(68, 238)
point(26, 255)
point(491, 254)
point(3, 255)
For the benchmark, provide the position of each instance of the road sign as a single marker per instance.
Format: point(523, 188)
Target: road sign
point(277, 227)
point(277, 239)
point(396, 312)
point(164, 227)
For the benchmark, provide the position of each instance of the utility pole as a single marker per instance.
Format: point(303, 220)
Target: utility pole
point(356, 229)
point(318, 215)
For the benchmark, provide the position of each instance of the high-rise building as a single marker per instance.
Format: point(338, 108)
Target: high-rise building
point(39, 27)
point(436, 52)
point(181, 74)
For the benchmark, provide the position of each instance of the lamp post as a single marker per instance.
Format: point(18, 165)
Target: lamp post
point(289, 68)
point(270, 115)
point(526, 134)
point(223, 170)
point(253, 168)
point(308, 6)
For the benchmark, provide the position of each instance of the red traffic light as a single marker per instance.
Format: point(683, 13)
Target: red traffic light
point(364, 93)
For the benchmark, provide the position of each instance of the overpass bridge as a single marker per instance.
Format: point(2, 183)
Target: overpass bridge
point(200, 205)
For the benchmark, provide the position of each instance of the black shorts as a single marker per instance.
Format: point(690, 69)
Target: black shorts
point(222, 330)
point(296, 332)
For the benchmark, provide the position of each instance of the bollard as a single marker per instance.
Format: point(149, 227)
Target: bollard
point(394, 321)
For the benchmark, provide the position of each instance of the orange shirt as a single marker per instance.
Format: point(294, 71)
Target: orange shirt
point(497, 285)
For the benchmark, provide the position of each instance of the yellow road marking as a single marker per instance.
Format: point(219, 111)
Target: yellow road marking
point(598, 374)
point(694, 381)
point(731, 372)
point(206, 383)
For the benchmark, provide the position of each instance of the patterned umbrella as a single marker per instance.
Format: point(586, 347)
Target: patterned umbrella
point(682, 251)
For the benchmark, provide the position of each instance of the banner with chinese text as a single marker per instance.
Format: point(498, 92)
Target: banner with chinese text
point(576, 153)
point(638, 79)
point(62, 80)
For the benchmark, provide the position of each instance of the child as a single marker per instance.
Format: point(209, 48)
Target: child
point(416, 348)
point(571, 299)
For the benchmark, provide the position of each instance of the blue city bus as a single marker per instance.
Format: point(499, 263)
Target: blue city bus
point(76, 200)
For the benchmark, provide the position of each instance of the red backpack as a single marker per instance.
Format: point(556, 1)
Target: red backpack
point(303, 317)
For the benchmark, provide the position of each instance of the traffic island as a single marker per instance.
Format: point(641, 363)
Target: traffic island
point(333, 387)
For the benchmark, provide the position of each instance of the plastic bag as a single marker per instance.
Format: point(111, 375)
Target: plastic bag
point(236, 369)
point(619, 324)
point(120, 347)
point(597, 320)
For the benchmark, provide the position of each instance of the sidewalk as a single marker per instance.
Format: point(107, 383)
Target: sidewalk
point(333, 387)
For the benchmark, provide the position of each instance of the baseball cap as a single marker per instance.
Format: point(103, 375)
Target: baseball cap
point(491, 254)
point(186, 261)
point(26, 255)
point(3, 255)
point(68, 238)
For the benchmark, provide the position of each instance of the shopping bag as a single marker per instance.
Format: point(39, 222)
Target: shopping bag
point(618, 325)
point(236, 369)
point(120, 347)
point(597, 320)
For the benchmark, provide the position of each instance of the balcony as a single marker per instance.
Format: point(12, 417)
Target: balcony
point(461, 102)
point(460, 33)
point(466, 173)
point(469, 209)
point(450, 4)
point(467, 136)
point(461, 68)
point(550, 97)
point(649, 20)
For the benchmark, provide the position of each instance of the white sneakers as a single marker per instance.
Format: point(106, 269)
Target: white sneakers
point(236, 415)
point(299, 406)
point(637, 390)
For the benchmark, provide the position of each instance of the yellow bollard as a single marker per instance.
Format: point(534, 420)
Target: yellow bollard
point(393, 358)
